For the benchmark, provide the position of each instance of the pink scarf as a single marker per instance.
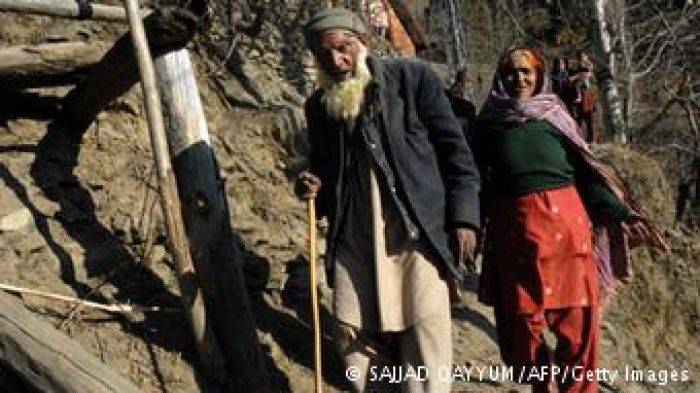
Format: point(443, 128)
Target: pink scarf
point(612, 250)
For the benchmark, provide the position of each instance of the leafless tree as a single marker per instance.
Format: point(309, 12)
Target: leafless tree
point(607, 70)
point(658, 43)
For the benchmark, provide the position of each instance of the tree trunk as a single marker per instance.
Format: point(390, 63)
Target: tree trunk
point(695, 129)
point(696, 198)
point(67, 9)
point(48, 360)
point(214, 249)
point(167, 29)
point(628, 77)
point(605, 66)
point(55, 64)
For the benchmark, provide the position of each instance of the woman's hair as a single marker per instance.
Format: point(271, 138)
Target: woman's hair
point(533, 56)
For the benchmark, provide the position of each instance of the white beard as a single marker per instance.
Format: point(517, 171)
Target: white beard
point(343, 100)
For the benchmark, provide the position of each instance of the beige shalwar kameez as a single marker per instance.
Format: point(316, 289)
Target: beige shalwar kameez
point(390, 300)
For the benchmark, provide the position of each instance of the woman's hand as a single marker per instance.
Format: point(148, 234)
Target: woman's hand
point(637, 228)
point(307, 185)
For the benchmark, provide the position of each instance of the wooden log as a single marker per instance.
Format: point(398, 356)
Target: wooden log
point(167, 29)
point(410, 24)
point(190, 293)
point(216, 257)
point(48, 360)
point(68, 9)
point(54, 64)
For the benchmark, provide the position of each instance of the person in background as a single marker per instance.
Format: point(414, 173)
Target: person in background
point(461, 102)
point(562, 84)
point(585, 96)
point(544, 195)
point(560, 76)
point(391, 170)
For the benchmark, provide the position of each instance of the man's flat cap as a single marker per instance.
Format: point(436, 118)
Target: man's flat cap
point(331, 19)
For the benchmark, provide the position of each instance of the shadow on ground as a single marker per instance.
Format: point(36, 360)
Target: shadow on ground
point(472, 316)
point(292, 329)
point(106, 259)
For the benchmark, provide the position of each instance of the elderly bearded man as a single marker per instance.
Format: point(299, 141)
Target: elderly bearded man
point(392, 171)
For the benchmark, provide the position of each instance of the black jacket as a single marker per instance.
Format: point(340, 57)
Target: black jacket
point(435, 174)
point(465, 112)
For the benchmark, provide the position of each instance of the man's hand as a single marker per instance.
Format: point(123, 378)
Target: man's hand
point(307, 185)
point(465, 242)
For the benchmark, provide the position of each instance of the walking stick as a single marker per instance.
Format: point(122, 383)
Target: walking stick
point(314, 296)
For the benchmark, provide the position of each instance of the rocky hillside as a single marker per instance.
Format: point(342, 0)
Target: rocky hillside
point(87, 223)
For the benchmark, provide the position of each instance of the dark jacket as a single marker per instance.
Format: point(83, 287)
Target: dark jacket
point(434, 172)
point(465, 112)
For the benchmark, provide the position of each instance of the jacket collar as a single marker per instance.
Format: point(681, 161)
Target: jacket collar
point(379, 76)
point(376, 67)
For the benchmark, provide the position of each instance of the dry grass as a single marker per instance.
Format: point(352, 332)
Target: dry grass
point(654, 321)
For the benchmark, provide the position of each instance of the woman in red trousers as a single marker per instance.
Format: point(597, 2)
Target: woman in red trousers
point(556, 228)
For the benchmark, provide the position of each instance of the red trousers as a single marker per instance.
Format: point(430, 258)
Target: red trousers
point(522, 345)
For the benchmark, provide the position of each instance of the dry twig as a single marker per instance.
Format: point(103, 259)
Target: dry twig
point(116, 307)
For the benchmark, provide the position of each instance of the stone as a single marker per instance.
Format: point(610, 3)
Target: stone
point(291, 95)
point(17, 221)
point(45, 206)
point(33, 242)
point(235, 93)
